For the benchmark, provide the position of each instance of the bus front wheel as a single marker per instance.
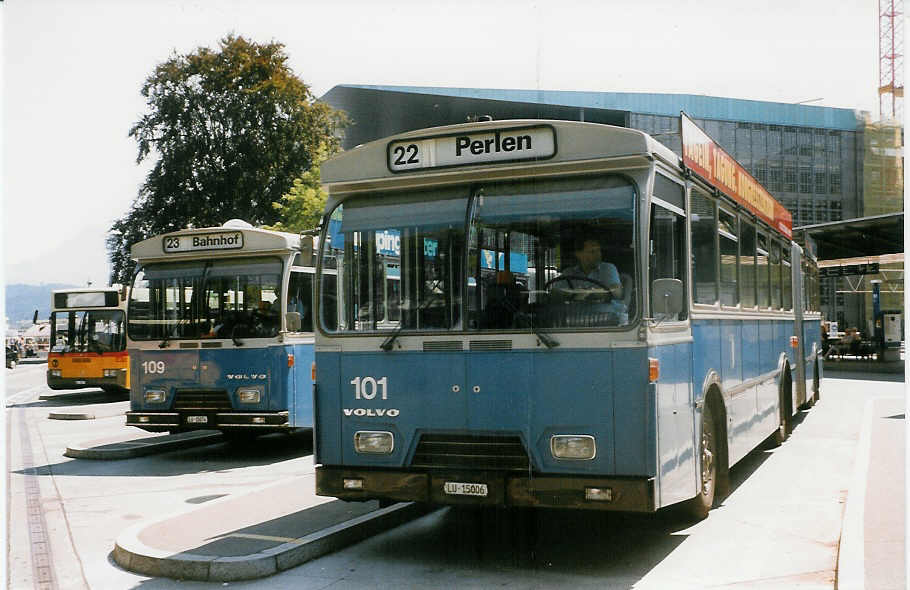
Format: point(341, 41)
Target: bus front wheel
point(700, 505)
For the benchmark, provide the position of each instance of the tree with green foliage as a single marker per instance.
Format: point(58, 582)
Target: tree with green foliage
point(231, 130)
point(302, 207)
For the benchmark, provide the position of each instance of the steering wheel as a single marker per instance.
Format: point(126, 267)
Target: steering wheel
point(607, 291)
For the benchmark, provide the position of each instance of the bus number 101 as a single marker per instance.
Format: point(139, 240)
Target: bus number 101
point(367, 387)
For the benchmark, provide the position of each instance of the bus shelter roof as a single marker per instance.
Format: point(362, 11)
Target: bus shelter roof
point(874, 236)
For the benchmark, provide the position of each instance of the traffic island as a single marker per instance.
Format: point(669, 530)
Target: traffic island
point(214, 542)
point(65, 416)
point(126, 449)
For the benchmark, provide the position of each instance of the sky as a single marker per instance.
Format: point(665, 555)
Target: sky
point(72, 71)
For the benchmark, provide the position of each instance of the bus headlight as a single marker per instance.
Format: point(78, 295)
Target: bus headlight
point(111, 372)
point(56, 373)
point(374, 442)
point(155, 396)
point(249, 395)
point(573, 446)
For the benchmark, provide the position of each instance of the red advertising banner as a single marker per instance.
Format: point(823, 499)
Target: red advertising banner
point(702, 155)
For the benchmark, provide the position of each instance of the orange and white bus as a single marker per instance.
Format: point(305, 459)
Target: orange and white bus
point(88, 339)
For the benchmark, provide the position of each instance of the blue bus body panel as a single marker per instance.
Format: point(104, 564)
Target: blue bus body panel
point(675, 410)
point(528, 393)
point(284, 388)
point(744, 355)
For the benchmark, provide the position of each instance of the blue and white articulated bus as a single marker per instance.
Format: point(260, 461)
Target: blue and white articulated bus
point(582, 319)
point(220, 328)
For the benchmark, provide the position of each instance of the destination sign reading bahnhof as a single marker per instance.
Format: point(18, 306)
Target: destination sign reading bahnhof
point(209, 241)
point(702, 155)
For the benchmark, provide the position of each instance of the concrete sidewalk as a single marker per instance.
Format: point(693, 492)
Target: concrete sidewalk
point(872, 549)
point(256, 534)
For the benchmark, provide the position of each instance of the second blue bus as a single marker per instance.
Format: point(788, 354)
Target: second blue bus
point(221, 332)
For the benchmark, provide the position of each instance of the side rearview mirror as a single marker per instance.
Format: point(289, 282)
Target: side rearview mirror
point(306, 250)
point(292, 319)
point(666, 298)
point(35, 317)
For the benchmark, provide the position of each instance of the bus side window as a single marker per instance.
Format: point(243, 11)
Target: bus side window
point(775, 275)
point(747, 267)
point(704, 248)
point(667, 250)
point(300, 297)
point(786, 278)
point(728, 240)
point(763, 269)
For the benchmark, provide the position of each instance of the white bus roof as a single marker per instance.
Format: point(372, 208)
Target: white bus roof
point(214, 242)
point(87, 290)
point(366, 167)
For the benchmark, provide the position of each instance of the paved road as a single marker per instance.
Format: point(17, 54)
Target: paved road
point(779, 528)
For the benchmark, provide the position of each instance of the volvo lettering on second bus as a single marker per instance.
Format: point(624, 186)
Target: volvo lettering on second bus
point(581, 319)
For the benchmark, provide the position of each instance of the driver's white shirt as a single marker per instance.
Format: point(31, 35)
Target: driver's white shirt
point(604, 272)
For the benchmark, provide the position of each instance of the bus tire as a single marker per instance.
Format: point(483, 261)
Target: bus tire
point(785, 404)
point(699, 506)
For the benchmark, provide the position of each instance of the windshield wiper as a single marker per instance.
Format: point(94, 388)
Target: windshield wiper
point(388, 342)
point(547, 340)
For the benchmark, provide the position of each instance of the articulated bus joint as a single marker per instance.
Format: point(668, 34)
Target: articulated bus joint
point(626, 494)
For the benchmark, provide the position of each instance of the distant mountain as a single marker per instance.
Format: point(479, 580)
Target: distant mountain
point(23, 300)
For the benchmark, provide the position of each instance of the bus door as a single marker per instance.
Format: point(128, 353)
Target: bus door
point(798, 292)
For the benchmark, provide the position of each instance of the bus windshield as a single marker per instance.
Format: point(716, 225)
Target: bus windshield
point(206, 299)
point(87, 331)
point(513, 256)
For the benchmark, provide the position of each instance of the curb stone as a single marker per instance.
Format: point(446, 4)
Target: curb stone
point(133, 555)
point(140, 447)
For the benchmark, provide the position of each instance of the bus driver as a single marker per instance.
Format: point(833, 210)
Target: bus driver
point(590, 264)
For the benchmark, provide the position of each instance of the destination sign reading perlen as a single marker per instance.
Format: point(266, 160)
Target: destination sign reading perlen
point(707, 159)
point(210, 241)
point(497, 145)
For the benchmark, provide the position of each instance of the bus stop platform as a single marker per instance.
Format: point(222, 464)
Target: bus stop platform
point(872, 552)
point(259, 533)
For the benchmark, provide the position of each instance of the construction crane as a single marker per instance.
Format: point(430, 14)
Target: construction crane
point(890, 59)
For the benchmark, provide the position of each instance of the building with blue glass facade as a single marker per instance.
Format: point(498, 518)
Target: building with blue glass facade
point(809, 157)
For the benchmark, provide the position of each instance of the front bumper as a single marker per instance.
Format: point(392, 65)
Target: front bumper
point(628, 494)
point(79, 382)
point(196, 420)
